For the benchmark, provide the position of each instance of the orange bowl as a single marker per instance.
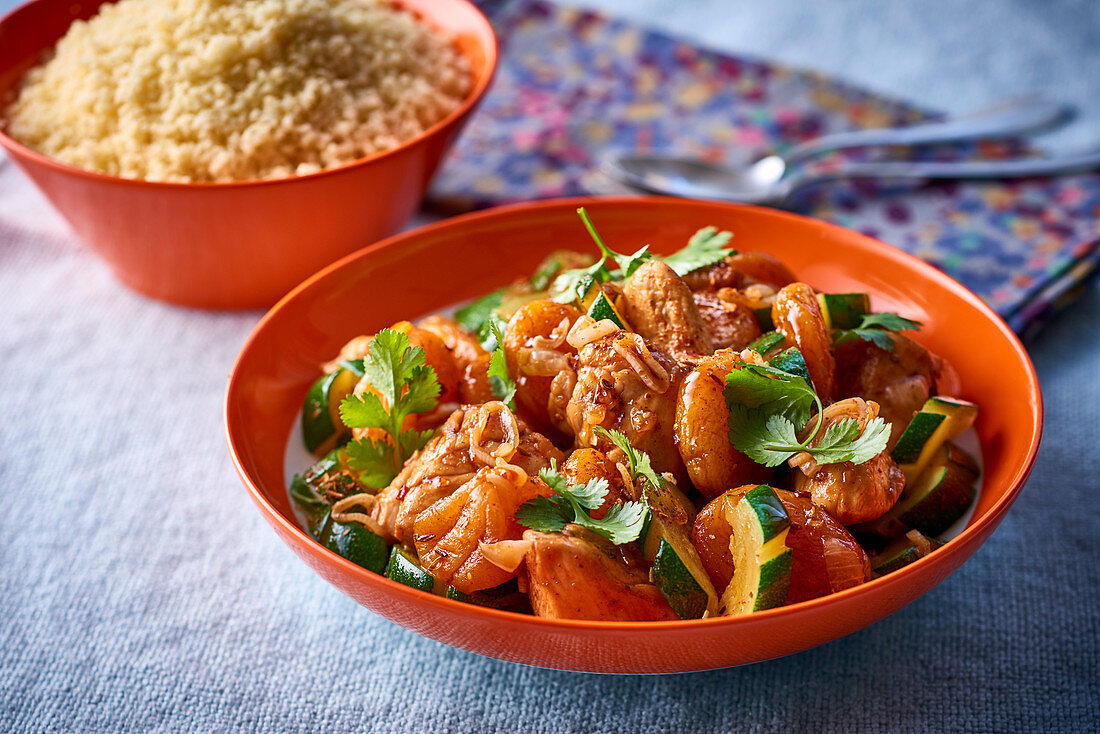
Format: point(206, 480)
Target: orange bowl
point(240, 244)
point(426, 270)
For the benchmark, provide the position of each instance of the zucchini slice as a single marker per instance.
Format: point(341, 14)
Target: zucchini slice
point(602, 309)
point(677, 569)
point(942, 494)
point(903, 551)
point(355, 543)
point(843, 310)
point(934, 502)
point(764, 316)
point(791, 361)
point(916, 436)
point(768, 344)
point(761, 558)
point(322, 428)
point(941, 420)
point(404, 569)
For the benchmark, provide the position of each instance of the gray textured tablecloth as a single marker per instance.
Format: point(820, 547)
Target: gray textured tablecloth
point(141, 591)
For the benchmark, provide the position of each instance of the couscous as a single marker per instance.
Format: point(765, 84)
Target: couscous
point(229, 90)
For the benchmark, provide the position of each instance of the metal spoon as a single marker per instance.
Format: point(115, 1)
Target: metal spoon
point(710, 182)
point(769, 179)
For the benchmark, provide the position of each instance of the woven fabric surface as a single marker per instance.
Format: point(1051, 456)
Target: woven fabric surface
point(140, 591)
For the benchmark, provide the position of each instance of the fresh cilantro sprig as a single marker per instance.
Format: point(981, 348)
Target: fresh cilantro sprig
point(767, 407)
point(481, 315)
point(503, 386)
point(573, 284)
point(627, 263)
point(876, 328)
point(572, 503)
point(706, 247)
point(405, 384)
point(639, 463)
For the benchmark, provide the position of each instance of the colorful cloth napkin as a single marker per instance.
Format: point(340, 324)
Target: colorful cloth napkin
point(575, 85)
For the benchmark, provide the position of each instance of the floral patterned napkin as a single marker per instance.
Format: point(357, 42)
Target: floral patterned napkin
point(574, 85)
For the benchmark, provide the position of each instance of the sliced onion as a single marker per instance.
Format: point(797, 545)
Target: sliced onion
point(505, 554)
point(587, 330)
point(645, 365)
point(556, 337)
point(340, 512)
point(919, 542)
point(844, 564)
point(541, 362)
point(507, 477)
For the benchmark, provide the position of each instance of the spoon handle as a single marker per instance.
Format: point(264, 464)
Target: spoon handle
point(1028, 114)
point(1017, 168)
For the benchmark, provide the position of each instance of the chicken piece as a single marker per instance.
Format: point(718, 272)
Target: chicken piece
point(575, 575)
point(899, 380)
point(741, 270)
point(627, 384)
point(660, 307)
point(729, 325)
point(474, 437)
point(449, 533)
point(854, 493)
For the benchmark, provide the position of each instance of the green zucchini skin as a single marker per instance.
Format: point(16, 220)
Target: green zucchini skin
point(404, 569)
point(355, 543)
point(844, 310)
point(767, 344)
point(322, 428)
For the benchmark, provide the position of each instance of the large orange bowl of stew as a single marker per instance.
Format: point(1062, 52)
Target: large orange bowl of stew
point(430, 269)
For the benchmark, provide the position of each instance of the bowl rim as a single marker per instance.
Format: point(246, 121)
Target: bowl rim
point(970, 534)
point(472, 99)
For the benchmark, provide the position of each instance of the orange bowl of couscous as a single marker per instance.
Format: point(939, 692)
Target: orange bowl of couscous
point(217, 153)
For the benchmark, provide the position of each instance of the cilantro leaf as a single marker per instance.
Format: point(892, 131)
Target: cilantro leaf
point(589, 496)
point(474, 315)
point(571, 503)
point(573, 284)
point(835, 443)
point(627, 263)
point(542, 514)
point(503, 386)
point(871, 442)
point(403, 384)
point(768, 408)
point(786, 394)
point(889, 321)
point(374, 459)
point(766, 439)
point(705, 248)
point(640, 465)
point(876, 328)
point(363, 410)
point(622, 523)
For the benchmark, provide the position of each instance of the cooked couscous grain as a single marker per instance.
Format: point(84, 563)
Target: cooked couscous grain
point(227, 90)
